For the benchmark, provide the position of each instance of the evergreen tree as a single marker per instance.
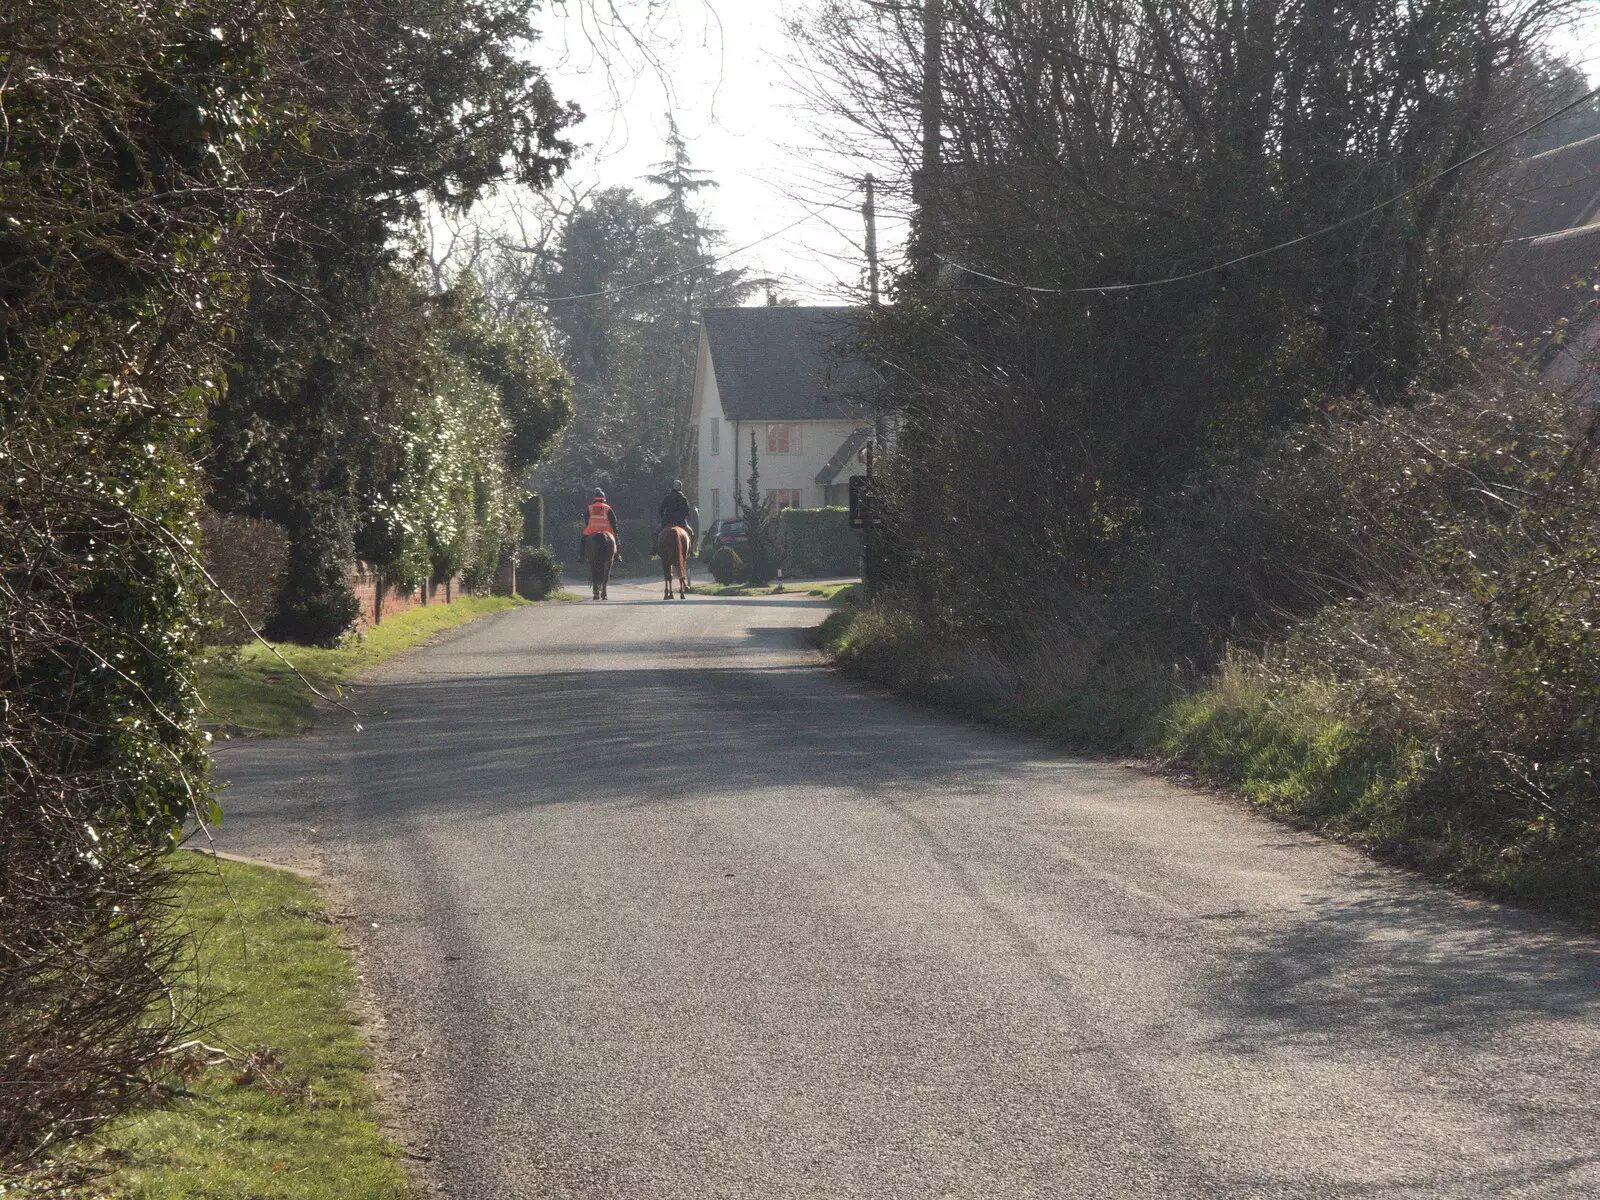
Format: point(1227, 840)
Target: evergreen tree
point(338, 361)
point(759, 525)
point(638, 273)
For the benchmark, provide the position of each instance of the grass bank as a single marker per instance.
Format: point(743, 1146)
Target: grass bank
point(289, 1113)
point(250, 687)
point(1393, 761)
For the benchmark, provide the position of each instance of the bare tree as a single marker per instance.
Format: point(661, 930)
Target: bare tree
point(1077, 355)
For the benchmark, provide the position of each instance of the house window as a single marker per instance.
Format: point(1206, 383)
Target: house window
point(784, 498)
point(716, 437)
point(716, 495)
point(783, 439)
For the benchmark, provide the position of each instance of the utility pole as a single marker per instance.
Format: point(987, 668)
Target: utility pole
point(925, 184)
point(869, 213)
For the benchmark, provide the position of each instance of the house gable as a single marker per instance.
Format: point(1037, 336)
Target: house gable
point(785, 376)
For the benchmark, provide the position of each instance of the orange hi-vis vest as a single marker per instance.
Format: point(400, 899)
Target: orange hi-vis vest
point(599, 519)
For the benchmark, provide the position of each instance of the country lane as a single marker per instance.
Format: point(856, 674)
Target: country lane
point(658, 907)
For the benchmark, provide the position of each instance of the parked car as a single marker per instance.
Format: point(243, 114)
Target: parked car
point(724, 533)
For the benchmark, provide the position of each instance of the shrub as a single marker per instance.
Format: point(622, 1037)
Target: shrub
point(248, 559)
point(819, 541)
point(726, 566)
point(89, 952)
point(538, 573)
point(1383, 626)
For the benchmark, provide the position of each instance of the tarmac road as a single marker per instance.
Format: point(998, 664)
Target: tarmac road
point(657, 907)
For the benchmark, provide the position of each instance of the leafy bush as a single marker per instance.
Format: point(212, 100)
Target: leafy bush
point(818, 542)
point(157, 156)
point(538, 573)
point(248, 560)
point(726, 566)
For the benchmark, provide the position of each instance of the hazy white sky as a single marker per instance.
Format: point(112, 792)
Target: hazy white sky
point(719, 66)
point(724, 63)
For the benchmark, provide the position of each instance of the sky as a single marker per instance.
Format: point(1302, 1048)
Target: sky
point(722, 68)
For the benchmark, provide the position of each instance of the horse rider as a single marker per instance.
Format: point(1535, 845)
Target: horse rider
point(676, 510)
point(602, 519)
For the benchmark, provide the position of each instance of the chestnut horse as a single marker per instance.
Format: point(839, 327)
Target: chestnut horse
point(672, 544)
point(600, 553)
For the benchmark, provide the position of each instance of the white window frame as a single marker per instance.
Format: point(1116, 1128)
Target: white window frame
point(790, 434)
point(716, 435)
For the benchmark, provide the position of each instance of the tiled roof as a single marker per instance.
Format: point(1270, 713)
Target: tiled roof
point(777, 363)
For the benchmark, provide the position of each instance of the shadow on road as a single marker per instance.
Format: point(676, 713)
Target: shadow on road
point(1407, 963)
point(654, 736)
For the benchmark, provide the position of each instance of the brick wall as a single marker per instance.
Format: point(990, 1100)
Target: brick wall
point(379, 600)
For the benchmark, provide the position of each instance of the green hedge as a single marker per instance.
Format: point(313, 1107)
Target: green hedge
point(819, 542)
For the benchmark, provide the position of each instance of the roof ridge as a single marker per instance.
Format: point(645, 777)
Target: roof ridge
point(787, 363)
point(1565, 148)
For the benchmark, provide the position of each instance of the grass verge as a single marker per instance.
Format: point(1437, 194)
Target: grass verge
point(291, 1114)
point(249, 687)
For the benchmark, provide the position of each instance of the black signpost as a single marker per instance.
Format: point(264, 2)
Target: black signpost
point(858, 502)
point(864, 516)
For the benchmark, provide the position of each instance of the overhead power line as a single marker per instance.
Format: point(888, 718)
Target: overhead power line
point(1295, 241)
point(726, 254)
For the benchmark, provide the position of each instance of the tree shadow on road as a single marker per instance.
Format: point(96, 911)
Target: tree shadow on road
point(653, 736)
point(1400, 962)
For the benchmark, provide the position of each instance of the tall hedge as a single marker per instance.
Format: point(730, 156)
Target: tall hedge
point(819, 541)
point(117, 263)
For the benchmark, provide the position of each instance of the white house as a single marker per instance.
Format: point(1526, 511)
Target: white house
point(783, 374)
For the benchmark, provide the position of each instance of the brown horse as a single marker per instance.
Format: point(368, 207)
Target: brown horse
point(672, 544)
point(600, 553)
